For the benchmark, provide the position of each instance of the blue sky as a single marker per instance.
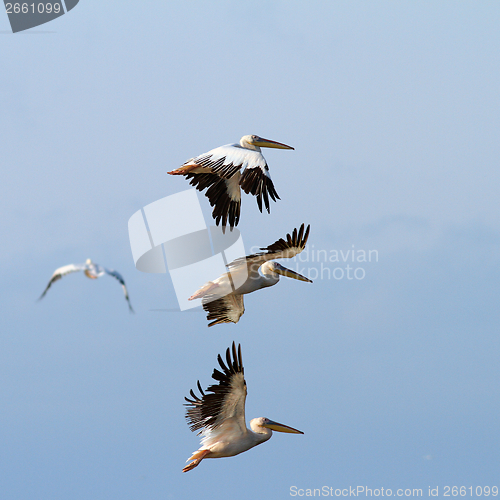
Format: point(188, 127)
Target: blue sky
point(393, 110)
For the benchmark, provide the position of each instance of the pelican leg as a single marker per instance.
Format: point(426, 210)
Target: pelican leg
point(198, 457)
point(91, 276)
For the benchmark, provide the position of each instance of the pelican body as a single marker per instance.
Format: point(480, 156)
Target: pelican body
point(219, 415)
point(92, 271)
point(226, 169)
point(223, 297)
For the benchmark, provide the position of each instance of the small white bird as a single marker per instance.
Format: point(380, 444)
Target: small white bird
point(219, 170)
point(224, 301)
point(92, 271)
point(219, 415)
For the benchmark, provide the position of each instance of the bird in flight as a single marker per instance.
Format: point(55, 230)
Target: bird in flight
point(219, 414)
point(223, 297)
point(226, 169)
point(92, 271)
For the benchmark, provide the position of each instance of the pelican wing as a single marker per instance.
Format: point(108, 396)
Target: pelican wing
point(257, 181)
point(281, 249)
point(60, 272)
point(118, 276)
point(223, 194)
point(223, 401)
point(223, 161)
point(218, 171)
point(227, 309)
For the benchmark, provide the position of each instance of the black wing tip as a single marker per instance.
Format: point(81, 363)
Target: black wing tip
point(225, 209)
point(306, 235)
point(299, 238)
point(218, 310)
point(54, 278)
point(225, 227)
point(237, 358)
point(257, 183)
point(203, 411)
point(296, 238)
point(218, 321)
point(233, 360)
point(221, 363)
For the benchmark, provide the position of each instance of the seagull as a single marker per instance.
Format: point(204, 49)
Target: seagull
point(219, 170)
point(92, 271)
point(223, 297)
point(219, 415)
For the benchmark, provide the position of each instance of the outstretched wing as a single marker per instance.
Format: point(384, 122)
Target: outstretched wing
point(118, 276)
point(281, 249)
point(227, 309)
point(218, 171)
point(60, 272)
point(223, 161)
point(223, 194)
point(223, 401)
point(257, 181)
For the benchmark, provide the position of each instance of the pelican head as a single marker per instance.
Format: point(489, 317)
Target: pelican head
point(260, 424)
point(274, 267)
point(88, 262)
point(256, 142)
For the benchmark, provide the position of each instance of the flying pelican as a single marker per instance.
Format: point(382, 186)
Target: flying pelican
point(219, 171)
point(224, 302)
point(92, 271)
point(220, 415)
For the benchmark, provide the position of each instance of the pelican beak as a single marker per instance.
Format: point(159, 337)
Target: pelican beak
point(290, 274)
point(275, 426)
point(266, 143)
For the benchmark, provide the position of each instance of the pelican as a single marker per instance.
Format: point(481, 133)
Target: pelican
point(224, 302)
point(219, 171)
point(92, 271)
point(219, 415)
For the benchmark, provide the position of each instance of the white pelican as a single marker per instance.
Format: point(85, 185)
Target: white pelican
point(92, 271)
point(219, 171)
point(224, 303)
point(220, 415)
